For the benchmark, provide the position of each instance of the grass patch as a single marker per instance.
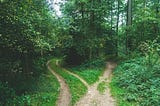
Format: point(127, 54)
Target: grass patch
point(90, 70)
point(77, 88)
point(102, 86)
point(89, 75)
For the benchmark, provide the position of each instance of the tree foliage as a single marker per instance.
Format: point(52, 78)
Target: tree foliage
point(85, 30)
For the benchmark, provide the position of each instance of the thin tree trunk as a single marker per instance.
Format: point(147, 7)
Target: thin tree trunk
point(27, 63)
point(111, 16)
point(118, 5)
point(90, 53)
point(129, 13)
point(129, 23)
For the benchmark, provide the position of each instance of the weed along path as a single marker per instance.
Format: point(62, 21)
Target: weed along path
point(77, 76)
point(99, 94)
point(65, 95)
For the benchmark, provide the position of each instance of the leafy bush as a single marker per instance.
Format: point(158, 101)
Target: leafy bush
point(39, 88)
point(7, 93)
point(141, 84)
point(140, 78)
point(94, 63)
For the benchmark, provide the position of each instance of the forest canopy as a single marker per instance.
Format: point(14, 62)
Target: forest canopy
point(31, 32)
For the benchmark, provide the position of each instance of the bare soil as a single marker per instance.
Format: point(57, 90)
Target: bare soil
point(65, 95)
point(94, 97)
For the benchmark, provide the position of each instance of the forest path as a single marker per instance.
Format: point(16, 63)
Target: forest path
point(65, 95)
point(94, 97)
point(77, 76)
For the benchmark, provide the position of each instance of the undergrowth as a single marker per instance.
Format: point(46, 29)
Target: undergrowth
point(140, 82)
point(34, 90)
point(90, 70)
point(137, 80)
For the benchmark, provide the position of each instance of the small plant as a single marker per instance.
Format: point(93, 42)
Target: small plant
point(102, 86)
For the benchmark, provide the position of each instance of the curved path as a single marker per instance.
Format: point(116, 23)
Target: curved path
point(65, 95)
point(77, 76)
point(94, 97)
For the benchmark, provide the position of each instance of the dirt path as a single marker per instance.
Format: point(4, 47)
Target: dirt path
point(94, 97)
point(65, 95)
point(77, 76)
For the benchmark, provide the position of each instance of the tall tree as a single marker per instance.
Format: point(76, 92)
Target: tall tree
point(129, 23)
point(117, 25)
point(129, 12)
point(22, 31)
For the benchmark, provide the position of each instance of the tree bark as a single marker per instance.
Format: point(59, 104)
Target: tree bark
point(118, 6)
point(129, 23)
point(27, 63)
point(129, 13)
point(111, 15)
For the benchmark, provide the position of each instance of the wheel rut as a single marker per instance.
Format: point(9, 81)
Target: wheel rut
point(64, 98)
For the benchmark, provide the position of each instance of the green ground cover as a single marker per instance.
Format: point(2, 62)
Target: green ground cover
point(77, 88)
point(136, 82)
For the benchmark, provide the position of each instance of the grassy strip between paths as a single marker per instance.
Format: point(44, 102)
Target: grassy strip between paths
point(102, 87)
point(77, 88)
point(90, 75)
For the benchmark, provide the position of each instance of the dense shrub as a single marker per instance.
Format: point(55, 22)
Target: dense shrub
point(94, 63)
point(37, 88)
point(140, 77)
point(7, 93)
point(140, 82)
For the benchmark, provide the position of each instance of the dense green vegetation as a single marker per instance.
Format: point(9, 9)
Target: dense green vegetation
point(77, 88)
point(118, 94)
point(102, 87)
point(40, 89)
point(139, 78)
point(90, 70)
point(24, 78)
point(90, 75)
point(82, 32)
